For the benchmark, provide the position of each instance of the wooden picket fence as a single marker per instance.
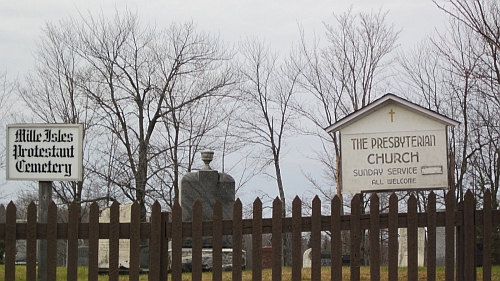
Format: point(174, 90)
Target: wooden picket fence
point(460, 222)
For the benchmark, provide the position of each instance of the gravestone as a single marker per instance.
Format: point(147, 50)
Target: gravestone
point(124, 244)
point(21, 248)
point(207, 186)
point(326, 258)
point(83, 256)
point(403, 247)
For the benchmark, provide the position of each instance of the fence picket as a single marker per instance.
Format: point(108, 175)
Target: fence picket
point(155, 243)
point(114, 242)
point(31, 251)
point(296, 239)
point(316, 239)
point(412, 239)
point(460, 273)
point(73, 223)
point(135, 241)
point(355, 237)
point(374, 237)
point(277, 239)
point(450, 237)
point(431, 237)
point(487, 231)
point(165, 217)
point(10, 242)
point(52, 243)
point(237, 240)
point(257, 241)
point(94, 242)
point(176, 241)
point(469, 230)
point(393, 238)
point(217, 242)
point(197, 241)
point(336, 242)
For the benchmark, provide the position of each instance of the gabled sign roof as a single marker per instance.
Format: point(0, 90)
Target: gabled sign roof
point(386, 99)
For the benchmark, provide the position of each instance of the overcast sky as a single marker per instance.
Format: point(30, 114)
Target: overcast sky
point(274, 21)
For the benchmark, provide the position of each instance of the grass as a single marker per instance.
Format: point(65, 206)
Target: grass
point(266, 274)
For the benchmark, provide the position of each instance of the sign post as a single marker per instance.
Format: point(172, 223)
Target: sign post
point(44, 153)
point(44, 198)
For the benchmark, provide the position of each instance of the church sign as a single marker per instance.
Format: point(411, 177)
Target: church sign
point(44, 152)
point(393, 144)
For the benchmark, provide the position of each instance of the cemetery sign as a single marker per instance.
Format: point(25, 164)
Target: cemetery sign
point(393, 144)
point(44, 152)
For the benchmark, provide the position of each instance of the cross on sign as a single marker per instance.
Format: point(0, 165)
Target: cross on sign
point(392, 115)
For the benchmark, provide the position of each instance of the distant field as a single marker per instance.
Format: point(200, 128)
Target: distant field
point(266, 274)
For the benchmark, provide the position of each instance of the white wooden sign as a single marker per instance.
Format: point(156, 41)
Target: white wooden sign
point(393, 144)
point(44, 152)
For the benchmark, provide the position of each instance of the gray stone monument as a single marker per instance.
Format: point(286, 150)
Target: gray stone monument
point(207, 185)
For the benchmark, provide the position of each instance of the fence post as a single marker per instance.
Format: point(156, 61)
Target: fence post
point(460, 245)
point(355, 237)
point(469, 235)
point(450, 236)
point(237, 240)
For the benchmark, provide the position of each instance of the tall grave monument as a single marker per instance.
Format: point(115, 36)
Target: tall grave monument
point(207, 186)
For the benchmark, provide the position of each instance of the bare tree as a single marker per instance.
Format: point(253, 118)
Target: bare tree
point(342, 76)
point(54, 94)
point(129, 79)
point(480, 16)
point(266, 118)
point(143, 76)
point(457, 74)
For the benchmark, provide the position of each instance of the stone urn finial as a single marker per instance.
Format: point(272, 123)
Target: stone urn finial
point(207, 156)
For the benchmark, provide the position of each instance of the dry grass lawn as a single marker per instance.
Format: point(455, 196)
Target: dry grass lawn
point(266, 274)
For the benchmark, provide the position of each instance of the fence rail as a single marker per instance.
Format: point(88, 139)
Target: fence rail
point(459, 220)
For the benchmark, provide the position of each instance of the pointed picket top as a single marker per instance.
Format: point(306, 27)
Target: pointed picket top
point(257, 203)
point(156, 207)
point(297, 200)
point(336, 199)
point(432, 193)
point(11, 208)
point(114, 204)
point(469, 195)
point(487, 196)
point(93, 206)
point(197, 205)
point(374, 196)
point(393, 199)
point(412, 201)
point(217, 203)
point(374, 202)
point(177, 206)
point(217, 211)
point(450, 197)
point(52, 210)
point(316, 206)
point(32, 207)
point(277, 204)
point(237, 202)
point(2, 213)
point(355, 202)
